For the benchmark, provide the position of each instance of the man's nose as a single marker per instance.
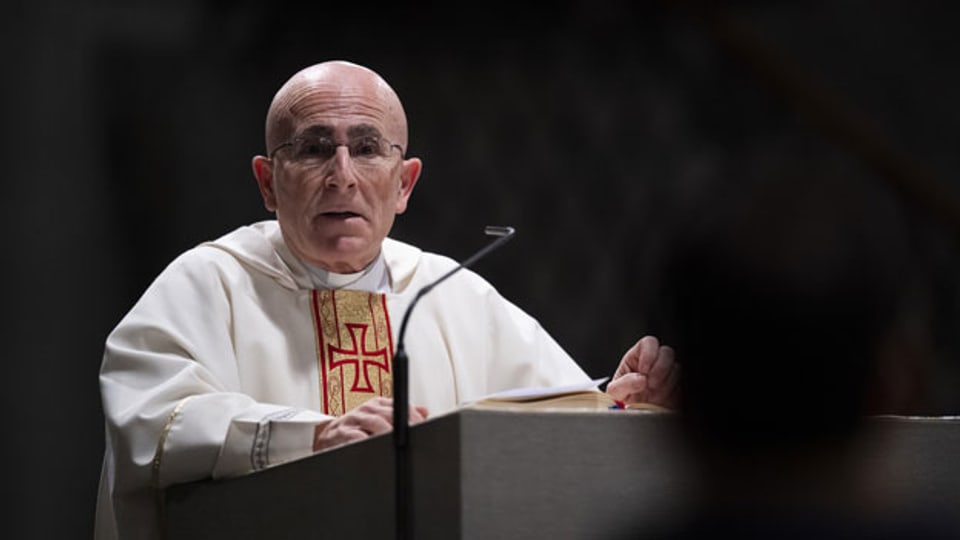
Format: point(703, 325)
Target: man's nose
point(341, 173)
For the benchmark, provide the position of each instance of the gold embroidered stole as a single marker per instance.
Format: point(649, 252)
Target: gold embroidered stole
point(354, 348)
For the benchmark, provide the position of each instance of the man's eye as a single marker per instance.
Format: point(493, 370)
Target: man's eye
point(314, 149)
point(366, 148)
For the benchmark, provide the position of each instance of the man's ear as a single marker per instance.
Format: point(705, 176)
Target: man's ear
point(263, 171)
point(408, 178)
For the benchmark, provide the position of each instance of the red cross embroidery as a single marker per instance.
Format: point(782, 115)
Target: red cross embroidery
point(359, 357)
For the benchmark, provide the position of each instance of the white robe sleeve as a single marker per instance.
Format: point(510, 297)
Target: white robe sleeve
point(491, 344)
point(535, 356)
point(171, 389)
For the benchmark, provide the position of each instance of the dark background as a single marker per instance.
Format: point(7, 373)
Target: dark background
point(129, 128)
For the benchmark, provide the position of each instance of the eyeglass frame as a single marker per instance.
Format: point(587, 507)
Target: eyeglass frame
point(335, 144)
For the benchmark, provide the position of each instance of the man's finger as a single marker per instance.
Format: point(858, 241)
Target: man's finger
point(350, 434)
point(638, 358)
point(370, 422)
point(627, 386)
point(417, 414)
point(669, 394)
point(380, 406)
point(661, 368)
point(628, 362)
point(649, 349)
point(334, 433)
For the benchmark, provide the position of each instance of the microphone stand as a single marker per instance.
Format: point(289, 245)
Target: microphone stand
point(401, 398)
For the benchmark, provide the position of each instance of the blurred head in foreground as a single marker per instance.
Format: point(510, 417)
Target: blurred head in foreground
point(797, 307)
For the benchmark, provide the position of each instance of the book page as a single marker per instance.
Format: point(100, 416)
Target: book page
point(537, 393)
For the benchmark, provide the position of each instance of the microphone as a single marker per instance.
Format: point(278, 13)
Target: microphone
point(401, 399)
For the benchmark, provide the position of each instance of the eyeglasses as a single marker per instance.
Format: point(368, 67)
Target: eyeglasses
point(317, 151)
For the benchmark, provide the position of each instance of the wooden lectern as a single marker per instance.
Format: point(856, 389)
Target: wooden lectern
point(482, 474)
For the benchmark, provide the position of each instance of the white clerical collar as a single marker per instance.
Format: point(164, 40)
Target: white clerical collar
point(373, 278)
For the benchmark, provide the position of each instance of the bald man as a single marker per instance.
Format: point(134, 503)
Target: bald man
point(276, 340)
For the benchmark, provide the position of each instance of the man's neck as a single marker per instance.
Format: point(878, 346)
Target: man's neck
point(373, 278)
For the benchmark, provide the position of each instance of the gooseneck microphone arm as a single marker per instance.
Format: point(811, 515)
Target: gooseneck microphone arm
point(401, 387)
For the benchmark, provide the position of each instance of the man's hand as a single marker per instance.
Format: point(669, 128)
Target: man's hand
point(373, 417)
point(646, 374)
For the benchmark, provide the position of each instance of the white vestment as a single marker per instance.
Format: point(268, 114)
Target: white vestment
point(215, 371)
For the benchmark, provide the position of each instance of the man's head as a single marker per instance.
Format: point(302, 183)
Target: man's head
point(335, 172)
point(817, 280)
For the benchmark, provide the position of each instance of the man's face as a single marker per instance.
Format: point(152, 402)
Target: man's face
point(335, 208)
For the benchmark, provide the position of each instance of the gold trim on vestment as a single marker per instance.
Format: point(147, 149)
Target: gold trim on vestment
point(354, 348)
point(158, 459)
point(158, 455)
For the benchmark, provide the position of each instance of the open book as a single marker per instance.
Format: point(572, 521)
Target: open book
point(570, 397)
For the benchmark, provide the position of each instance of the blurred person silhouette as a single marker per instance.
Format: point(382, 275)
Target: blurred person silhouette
point(276, 340)
point(818, 280)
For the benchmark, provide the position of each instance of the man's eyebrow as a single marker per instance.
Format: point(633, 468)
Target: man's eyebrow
point(317, 130)
point(363, 130)
point(353, 132)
